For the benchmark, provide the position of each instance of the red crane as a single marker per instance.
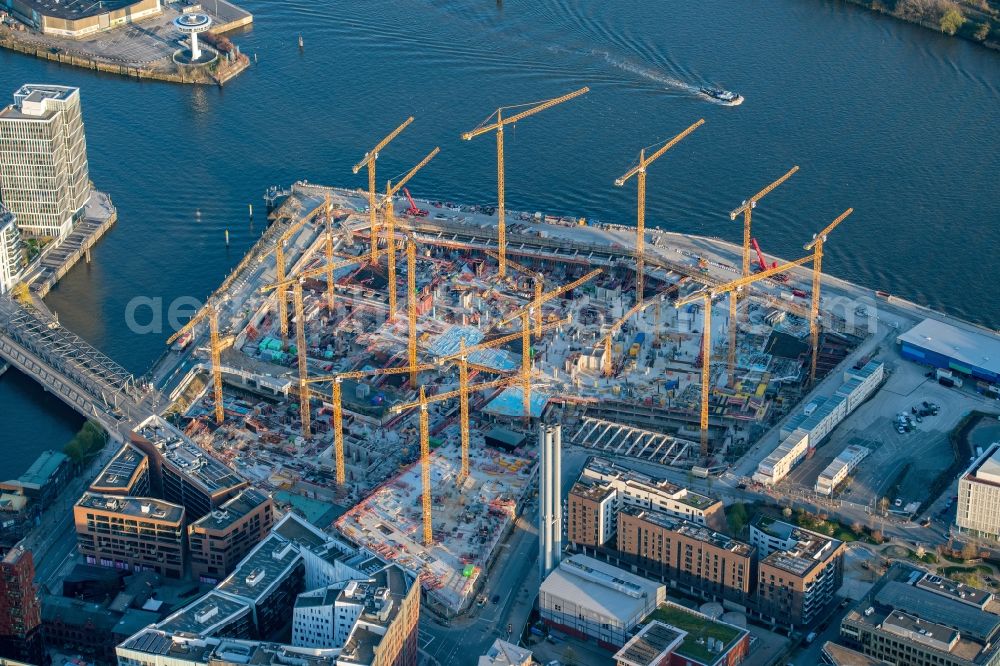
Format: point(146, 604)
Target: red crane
point(413, 210)
point(780, 277)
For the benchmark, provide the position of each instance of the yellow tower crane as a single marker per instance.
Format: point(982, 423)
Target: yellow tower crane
point(411, 305)
point(746, 209)
point(538, 281)
point(338, 409)
point(303, 361)
point(639, 170)
point(279, 262)
point(548, 296)
point(425, 447)
point(210, 312)
point(369, 161)
point(496, 122)
point(390, 225)
point(706, 296)
point(816, 245)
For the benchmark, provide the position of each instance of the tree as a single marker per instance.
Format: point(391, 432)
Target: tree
point(883, 505)
point(952, 21)
point(877, 536)
point(857, 527)
point(737, 517)
point(969, 551)
point(569, 656)
point(982, 33)
point(920, 551)
point(787, 512)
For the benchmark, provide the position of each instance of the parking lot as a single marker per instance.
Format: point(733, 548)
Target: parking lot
point(915, 458)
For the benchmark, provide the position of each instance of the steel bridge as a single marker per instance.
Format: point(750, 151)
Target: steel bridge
point(71, 368)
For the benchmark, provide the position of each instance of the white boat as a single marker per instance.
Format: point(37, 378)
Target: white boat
point(726, 97)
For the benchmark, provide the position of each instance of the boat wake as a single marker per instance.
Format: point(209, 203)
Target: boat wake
point(670, 82)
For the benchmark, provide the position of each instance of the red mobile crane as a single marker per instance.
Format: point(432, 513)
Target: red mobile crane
point(780, 277)
point(413, 210)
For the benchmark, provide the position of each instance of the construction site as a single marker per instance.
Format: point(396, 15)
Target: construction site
point(393, 355)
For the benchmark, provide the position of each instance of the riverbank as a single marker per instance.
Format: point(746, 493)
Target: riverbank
point(976, 25)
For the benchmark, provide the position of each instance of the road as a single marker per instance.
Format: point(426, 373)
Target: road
point(54, 539)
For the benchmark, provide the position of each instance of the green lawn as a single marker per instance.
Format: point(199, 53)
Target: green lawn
point(696, 627)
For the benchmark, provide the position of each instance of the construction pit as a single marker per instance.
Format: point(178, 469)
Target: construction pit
point(641, 400)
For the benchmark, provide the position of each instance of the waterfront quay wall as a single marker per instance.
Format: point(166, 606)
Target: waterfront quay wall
point(9, 41)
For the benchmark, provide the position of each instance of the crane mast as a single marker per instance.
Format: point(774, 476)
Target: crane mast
point(706, 296)
point(746, 209)
point(640, 172)
point(425, 467)
point(498, 127)
point(816, 245)
point(369, 161)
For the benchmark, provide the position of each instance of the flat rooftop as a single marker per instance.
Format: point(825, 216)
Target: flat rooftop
point(698, 630)
point(953, 590)
point(600, 587)
point(233, 510)
point(186, 649)
point(969, 620)
point(381, 599)
point(136, 507)
point(651, 645)
point(122, 469)
point(804, 549)
point(602, 468)
point(970, 348)
point(206, 615)
point(986, 468)
point(187, 458)
point(76, 9)
point(689, 529)
point(265, 566)
point(592, 489)
point(30, 99)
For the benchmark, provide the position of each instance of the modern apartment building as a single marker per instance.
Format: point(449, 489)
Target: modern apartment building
point(294, 568)
point(44, 179)
point(605, 488)
point(979, 495)
point(184, 473)
point(11, 251)
point(20, 611)
point(126, 475)
point(692, 557)
point(646, 492)
point(798, 573)
point(131, 533)
point(591, 518)
point(220, 539)
point(906, 620)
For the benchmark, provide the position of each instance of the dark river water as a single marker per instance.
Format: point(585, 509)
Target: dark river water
point(899, 122)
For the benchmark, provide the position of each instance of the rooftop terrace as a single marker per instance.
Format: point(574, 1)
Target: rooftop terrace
point(698, 630)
